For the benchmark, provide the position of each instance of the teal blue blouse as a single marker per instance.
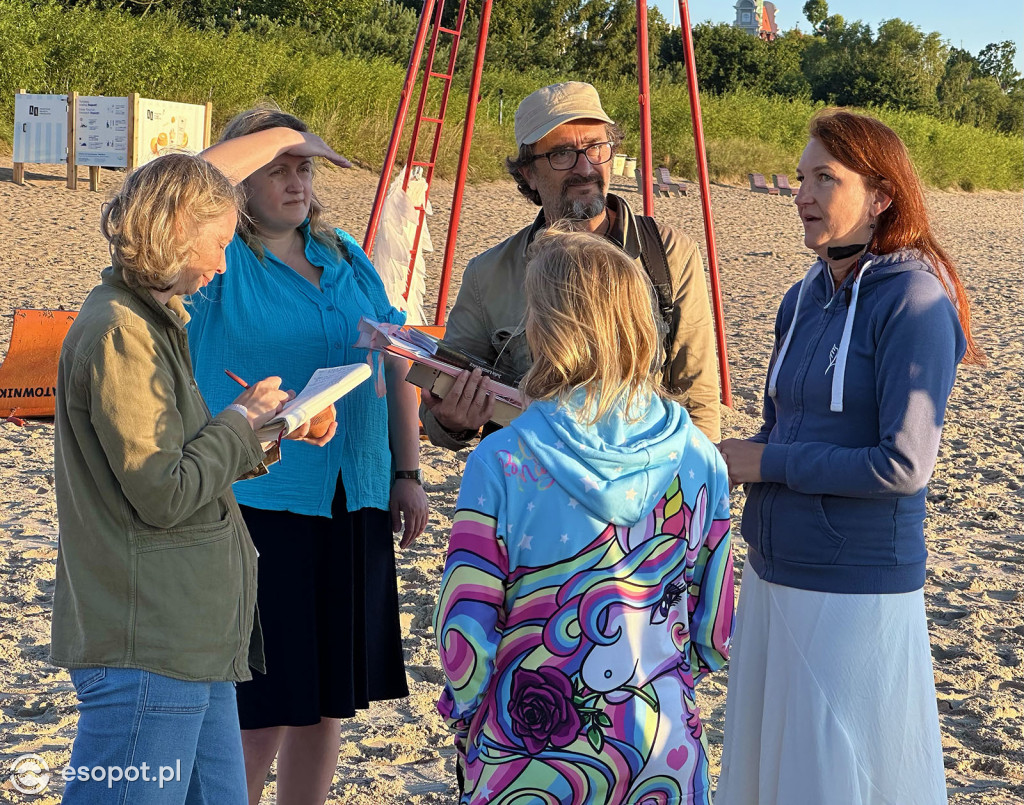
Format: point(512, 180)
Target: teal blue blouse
point(260, 319)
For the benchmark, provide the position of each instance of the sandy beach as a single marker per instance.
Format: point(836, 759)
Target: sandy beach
point(51, 253)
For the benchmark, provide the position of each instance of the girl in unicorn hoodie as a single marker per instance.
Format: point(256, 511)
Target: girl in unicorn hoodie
point(831, 697)
point(589, 583)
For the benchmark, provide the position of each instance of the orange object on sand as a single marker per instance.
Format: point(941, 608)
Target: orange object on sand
point(429, 329)
point(28, 375)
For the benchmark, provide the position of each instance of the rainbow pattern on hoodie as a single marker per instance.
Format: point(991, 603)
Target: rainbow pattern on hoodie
point(588, 586)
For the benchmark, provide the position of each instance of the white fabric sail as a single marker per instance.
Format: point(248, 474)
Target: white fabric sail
point(393, 246)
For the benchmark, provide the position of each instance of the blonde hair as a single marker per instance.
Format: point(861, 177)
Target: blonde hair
point(591, 323)
point(151, 222)
point(260, 118)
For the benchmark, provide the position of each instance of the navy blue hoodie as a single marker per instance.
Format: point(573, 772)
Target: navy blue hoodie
point(853, 413)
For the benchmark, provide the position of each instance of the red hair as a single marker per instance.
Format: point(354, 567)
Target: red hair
point(870, 148)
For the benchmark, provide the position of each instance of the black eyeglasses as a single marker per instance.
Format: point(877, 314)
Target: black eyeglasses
point(565, 159)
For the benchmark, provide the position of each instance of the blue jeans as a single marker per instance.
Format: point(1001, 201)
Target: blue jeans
point(147, 739)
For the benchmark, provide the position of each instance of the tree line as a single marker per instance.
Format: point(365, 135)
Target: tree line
point(847, 64)
point(840, 62)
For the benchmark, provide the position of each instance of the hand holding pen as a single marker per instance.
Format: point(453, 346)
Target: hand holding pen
point(299, 434)
point(262, 400)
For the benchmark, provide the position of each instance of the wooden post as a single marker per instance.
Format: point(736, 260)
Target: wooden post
point(18, 168)
point(133, 110)
point(208, 124)
point(72, 140)
point(94, 177)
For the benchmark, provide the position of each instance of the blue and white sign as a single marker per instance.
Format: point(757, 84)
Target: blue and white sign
point(41, 129)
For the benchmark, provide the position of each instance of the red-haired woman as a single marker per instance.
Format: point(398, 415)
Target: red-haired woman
point(831, 697)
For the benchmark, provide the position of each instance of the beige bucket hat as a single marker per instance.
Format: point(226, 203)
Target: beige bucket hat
point(541, 112)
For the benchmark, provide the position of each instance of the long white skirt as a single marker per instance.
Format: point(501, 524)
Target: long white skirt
point(831, 701)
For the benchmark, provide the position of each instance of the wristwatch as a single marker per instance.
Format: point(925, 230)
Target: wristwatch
point(409, 475)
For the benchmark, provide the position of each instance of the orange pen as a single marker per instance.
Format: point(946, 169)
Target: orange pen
point(236, 378)
point(245, 385)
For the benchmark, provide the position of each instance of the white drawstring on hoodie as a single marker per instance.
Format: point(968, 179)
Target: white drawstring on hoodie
point(839, 371)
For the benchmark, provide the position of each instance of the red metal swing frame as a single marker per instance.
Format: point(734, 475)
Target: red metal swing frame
point(430, 26)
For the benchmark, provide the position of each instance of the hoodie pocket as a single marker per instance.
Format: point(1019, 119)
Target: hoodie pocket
point(798, 531)
point(885, 531)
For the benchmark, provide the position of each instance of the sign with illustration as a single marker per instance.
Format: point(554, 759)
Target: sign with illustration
point(40, 129)
point(164, 126)
point(101, 131)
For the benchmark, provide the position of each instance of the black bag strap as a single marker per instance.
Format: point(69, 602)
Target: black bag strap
point(655, 263)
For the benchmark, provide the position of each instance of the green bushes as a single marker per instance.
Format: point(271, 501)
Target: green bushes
point(111, 53)
point(747, 133)
point(352, 101)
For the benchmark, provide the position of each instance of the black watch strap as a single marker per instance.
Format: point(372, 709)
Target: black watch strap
point(465, 436)
point(409, 475)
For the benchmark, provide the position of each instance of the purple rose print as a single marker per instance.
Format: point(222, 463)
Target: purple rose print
point(542, 709)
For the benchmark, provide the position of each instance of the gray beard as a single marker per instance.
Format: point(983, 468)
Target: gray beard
point(582, 209)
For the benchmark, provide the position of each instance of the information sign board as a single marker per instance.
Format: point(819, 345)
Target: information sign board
point(101, 131)
point(40, 129)
point(164, 126)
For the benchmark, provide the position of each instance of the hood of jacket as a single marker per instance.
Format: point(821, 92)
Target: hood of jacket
point(618, 468)
point(817, 286)
point(876, 267)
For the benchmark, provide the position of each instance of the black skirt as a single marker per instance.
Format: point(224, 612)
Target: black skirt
point(328, 603)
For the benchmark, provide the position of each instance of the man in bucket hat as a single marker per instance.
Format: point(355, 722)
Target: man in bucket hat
point(566, 142)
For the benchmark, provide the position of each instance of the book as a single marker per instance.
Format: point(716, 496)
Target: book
point(438, 382)
point(455, 356)
point(433, 366)
point(324, 388)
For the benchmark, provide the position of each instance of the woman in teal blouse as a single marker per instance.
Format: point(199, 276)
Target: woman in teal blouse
point(322, 519)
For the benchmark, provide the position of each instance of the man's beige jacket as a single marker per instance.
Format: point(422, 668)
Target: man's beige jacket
point(155, 567)
point(489, 314)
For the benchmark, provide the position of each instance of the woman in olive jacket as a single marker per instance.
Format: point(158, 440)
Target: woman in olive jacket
point(154, 605)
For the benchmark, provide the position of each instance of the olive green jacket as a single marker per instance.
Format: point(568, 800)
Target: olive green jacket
point(489, 314)
point(155, 568)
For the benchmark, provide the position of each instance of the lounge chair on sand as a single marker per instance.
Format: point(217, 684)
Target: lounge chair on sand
point(759, 185)
point(640, 184)
point(781, 182)
point(666, 185)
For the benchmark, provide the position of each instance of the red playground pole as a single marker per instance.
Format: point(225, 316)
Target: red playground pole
point(705, 200)
point(460, 175)
point(396, 131)
point(643, 75)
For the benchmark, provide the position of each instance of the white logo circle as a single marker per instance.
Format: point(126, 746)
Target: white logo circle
point(29, 774)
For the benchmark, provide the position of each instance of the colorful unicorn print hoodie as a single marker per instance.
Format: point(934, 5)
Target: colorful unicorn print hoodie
point(588, 585)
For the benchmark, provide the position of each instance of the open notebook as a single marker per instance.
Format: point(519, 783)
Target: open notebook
point(324, 388)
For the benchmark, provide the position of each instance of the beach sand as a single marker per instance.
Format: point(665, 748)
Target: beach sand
point(399, 752)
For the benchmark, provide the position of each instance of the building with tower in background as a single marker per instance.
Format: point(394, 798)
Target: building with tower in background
point(757, 18)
